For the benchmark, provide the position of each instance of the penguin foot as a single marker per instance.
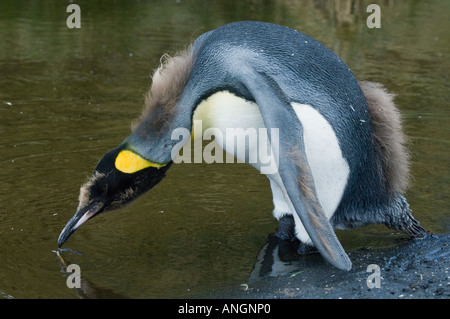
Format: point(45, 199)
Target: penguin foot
point(286, 234)
point(286, 228)
point(304, 249)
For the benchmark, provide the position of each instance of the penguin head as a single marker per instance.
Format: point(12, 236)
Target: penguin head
point(121, 176)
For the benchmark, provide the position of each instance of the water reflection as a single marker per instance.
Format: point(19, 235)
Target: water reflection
point(279, 257)
point(87, 289)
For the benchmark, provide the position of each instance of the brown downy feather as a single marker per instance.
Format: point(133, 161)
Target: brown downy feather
point(168, 83)
point(388, 135)
point(85, 191)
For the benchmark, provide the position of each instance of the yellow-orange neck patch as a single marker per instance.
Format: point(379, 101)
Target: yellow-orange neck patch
point(129, 162)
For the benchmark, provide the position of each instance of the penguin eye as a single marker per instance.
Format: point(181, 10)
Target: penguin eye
point(104, 189)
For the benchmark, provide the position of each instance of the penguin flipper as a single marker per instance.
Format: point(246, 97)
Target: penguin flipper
point(293, 166)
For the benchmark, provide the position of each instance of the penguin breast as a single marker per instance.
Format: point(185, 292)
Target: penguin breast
point(229, 117)
point(234, 122)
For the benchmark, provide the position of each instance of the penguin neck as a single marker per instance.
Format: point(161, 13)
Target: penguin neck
point(155, 137)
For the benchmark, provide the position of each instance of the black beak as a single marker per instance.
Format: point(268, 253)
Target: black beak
point(80, 217)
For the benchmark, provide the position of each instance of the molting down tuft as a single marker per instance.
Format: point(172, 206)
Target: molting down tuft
point(168, 83)
point(85, 190)
point(388, 135)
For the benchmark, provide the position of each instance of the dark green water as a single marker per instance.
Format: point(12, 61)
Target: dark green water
point(69, 95)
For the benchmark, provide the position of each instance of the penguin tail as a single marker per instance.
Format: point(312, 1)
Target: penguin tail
point(416, 231)
point(388, 136)
point(398, 215)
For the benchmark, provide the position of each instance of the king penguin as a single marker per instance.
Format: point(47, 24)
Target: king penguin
point(339, 149)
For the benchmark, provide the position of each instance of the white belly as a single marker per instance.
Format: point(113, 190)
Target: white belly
point(328, 167)
point(224, 110)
